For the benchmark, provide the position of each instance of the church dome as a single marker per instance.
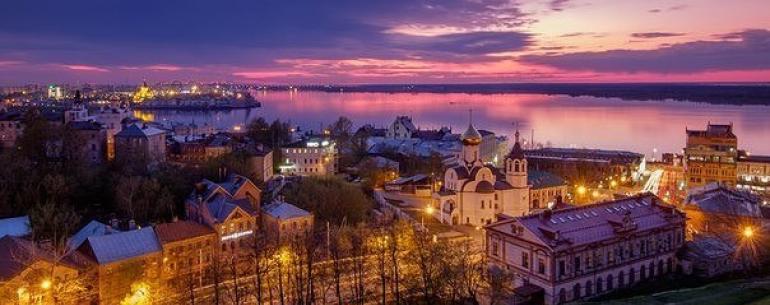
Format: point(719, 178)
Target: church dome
point(485, 187)
point(471, 136)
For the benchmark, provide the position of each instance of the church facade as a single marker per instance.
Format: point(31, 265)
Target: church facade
point(474, 193)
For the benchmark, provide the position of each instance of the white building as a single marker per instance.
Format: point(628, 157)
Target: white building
point(401, 128)
point(313, 157)
point(475, 193)
point(575, 253)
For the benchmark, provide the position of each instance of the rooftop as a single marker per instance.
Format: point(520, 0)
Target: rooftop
point(180, 230)
point(16, 226)
point(284, 210)
point(593, 223)
point(134, 131)
point(123, 245)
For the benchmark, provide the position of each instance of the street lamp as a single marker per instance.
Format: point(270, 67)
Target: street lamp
point(428, 210)
point(748, 232)
point(45, 284)
point(581, 190)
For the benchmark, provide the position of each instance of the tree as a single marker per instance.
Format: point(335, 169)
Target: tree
point(330, 199)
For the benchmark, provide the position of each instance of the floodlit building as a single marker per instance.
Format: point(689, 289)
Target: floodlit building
point(188, 249)
point(111, 119)
point(711, 155)
point(401, 128)
point(283, 221)
point(124, 259)
point(312, 157)
point(474, 193)
point(231, 208)
point(575, 253)
point(754, 174)
point(26, 274)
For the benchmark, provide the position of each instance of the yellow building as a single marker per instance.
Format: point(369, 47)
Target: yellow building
point(711, 156)
point(188, 249)
point(28, 275)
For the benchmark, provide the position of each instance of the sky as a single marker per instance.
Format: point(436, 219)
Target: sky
point(384, 41)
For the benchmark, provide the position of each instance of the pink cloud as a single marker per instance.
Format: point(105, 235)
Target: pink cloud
point(158, 67)
point(85, 68)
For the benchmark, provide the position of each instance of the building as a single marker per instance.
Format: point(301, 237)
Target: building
point(312, 157)
point(718, 209)
point(111, 119)
point(283, 221)
point(574, 253)
point(580, 165)
point(474, 193)
point(141, 142)
point(754, 174)
point(30, 275)
point(188, 250)
point(11, 127)
point(200, 150)
point(401, 128)
point(93, 139)
point(709, 256)
point(230, 208)
point(124, 259)
point(78, 112)
point(711, 155)
point(671, 185)
point(55, 92)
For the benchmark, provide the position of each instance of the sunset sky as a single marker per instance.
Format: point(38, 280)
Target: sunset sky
point(384, 41)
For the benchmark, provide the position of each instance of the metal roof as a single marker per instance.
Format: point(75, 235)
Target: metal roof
point(124, 245)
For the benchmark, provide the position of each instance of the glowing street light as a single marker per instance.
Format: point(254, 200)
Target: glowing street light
point(45, 284)
point(613, 183)
point(581, 190)
point(748, 232)
point(429, 210)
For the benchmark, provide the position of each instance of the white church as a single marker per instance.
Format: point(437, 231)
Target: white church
point(474, 193)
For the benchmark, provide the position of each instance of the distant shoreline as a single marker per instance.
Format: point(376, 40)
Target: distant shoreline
point(725, 93)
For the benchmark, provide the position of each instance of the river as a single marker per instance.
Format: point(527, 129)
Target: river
point(648, 127)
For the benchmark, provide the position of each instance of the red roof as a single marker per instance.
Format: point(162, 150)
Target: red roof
point(181, 230)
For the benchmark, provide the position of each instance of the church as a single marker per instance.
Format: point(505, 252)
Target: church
point(474, 193)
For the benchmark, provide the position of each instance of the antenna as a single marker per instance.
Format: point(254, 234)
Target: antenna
point(470, 116)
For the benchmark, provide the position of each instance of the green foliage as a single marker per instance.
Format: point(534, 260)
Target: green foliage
point(330, 199)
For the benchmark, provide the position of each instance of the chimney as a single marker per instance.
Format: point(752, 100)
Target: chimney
point(132, 224)
point(114, 222)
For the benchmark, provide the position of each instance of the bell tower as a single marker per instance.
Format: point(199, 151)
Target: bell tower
point(516, 165)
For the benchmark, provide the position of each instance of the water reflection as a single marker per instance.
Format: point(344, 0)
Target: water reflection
point(559, 120)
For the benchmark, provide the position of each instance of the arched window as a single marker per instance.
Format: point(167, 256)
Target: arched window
point(562, 296)
point(599, 285)
point(589, 288)
point(576, 291)
point(610, 282)
point(621, 279)
point(516, 166)
point(660, 267)
point(632, 276)
point(652, 269)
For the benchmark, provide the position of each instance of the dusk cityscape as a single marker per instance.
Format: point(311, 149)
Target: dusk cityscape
point(450, 152)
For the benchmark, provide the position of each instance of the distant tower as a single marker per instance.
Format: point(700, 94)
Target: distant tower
point(516, 165)
point(471, 139)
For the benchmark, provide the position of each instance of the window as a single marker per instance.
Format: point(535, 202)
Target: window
point(540, 266)
point(495, 249)
point(562, 268)
point(525, 260)
point(577, 265)
point(599, 287)
point(576, 291)
point(610, 282)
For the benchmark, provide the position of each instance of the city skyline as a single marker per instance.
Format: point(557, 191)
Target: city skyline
point(349, 42)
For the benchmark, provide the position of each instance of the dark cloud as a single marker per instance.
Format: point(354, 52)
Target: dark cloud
point(748, 53)
point(558, 5)
point(242, 32)
point(648, 35)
